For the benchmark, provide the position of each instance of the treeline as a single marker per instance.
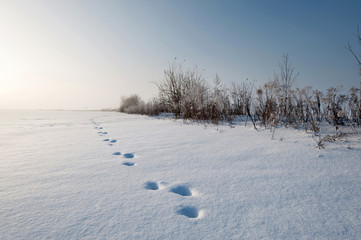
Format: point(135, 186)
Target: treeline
point(187, 95)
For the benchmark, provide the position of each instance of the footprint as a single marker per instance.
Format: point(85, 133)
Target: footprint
point(100, 127)
point(151, 186)
point(113, 141)
point(100, 132)
point(110, 144)
point(117, 153)
point(106, 140)
point(190, 212)
point(105, 132)
point(182, 190)
point(128, 155)
point(130, 164)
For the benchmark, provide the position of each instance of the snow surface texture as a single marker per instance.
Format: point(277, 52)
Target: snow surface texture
point(106, 175)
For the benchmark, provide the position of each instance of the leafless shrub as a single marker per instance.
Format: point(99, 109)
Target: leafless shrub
point(286, 78)
point(358, 60)
point(194, 91)
point(242, 95)
point(130, 104)
point(319, 140)
point(334, 102)
point(170, 89)
point(135, 105)
point(266, 105)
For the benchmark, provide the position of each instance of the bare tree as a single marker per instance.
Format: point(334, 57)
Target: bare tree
point(241, 95)
point(170, 89)
point(266, 106)
point(316, 106)
point(215, 102)
point(358, 59)
point(334, 102)
point(193, 94)
point(353, 105)
point(310, 108)
point(242, 99)
point(286, 79)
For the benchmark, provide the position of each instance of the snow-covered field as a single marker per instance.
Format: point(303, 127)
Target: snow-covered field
point(106, 175)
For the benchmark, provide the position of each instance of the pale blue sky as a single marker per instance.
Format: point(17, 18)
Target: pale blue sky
point(86, 54)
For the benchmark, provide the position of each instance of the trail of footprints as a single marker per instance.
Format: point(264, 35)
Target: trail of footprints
point(181, 190)
point(111, 142)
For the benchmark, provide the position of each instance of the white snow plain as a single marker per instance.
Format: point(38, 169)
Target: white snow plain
point(107, 175)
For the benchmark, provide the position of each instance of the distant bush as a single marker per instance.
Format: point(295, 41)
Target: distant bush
point(135, 105)
point(131, 104)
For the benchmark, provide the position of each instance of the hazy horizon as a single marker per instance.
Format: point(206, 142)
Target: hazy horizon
point(85, 55)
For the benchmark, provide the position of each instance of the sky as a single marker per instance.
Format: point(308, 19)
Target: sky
point(86, 54)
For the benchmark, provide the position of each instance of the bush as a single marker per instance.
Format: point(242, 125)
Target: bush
point(131, 104)
point(187, 95)
point(135, 105)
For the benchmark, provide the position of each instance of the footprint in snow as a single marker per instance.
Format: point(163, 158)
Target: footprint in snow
point(129, 164)
point(105, 132)
point(106, 140)
point(189, 211)
point(181, 190)
point(151, 186)
point(117, 153)
point(128, 155)
point(113, 141)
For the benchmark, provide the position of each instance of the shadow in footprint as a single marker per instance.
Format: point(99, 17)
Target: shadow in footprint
point(181, 190)
point(129, 164)
point(128, 155)
point(113, 141)
point(188, 211)
point(151, 186)
point(117, 153)
point(105, 132)
point(105, 140)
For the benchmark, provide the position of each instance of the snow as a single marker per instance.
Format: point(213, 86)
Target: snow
point(62, 177)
